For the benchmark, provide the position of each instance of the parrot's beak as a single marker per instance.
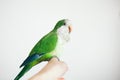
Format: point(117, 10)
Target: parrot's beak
point(70, 28)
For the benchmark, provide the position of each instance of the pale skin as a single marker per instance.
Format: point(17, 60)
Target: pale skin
point(54, 70)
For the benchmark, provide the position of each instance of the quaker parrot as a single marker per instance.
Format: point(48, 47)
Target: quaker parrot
point(47, 47)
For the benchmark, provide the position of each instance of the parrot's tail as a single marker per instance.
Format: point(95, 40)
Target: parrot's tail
point(23, 71)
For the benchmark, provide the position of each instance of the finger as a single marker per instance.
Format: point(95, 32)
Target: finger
point(61, 79)
point(54, 59)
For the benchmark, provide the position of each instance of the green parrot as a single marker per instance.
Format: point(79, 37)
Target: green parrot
point(47, 47)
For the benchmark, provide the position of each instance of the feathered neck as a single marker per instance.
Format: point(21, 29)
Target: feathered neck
point(63, 34)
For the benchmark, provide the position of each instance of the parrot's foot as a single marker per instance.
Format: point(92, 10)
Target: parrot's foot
point(54, 57)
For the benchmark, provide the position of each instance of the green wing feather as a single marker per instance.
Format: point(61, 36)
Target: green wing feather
point(46, 44)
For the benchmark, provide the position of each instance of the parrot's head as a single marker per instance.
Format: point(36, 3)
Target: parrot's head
point(65, 24)
point(63, 29)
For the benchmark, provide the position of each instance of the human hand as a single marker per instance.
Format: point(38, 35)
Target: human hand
point(54, 70)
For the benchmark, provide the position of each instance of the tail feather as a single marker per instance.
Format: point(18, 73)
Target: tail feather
point(29, 66)
point(23, 71)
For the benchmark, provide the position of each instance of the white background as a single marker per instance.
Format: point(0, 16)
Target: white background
point(93, 52)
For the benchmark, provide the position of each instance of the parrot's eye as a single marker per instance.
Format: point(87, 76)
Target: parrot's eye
point(64, 23)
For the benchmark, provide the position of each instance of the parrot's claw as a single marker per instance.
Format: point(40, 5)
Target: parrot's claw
point(54, 57)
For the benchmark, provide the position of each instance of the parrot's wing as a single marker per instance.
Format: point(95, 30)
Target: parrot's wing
point(31, 58)
point(45, 45)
